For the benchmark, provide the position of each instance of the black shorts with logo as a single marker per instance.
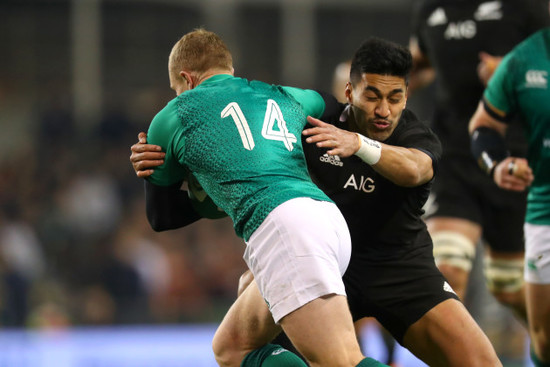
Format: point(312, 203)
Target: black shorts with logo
point(396, 291)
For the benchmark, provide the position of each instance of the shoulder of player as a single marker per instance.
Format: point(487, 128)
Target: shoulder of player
point(409, 127)
point(523, 52)
point(167, 116)
point(409, 120)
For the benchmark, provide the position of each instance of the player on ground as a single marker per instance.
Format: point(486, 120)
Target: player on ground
point(520, 87)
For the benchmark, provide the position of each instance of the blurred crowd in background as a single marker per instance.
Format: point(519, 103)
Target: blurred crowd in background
point(75, 245)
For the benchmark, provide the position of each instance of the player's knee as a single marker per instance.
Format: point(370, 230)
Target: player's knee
point(453, 249)
point(227, 350)
point(504, 279)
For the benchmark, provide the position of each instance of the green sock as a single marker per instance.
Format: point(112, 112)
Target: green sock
point(536, 361)
point(369, 362)
point(272, 355)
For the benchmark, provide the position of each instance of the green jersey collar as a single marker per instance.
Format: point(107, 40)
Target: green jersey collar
point(216, 78)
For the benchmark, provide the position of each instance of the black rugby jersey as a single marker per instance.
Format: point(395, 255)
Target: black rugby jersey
point(451, 33)
point(384, 219)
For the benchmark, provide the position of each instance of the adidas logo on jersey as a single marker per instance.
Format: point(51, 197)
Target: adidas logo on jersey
point(491, 10)
point(332, 159)
point(536, 79)
point(447, 288)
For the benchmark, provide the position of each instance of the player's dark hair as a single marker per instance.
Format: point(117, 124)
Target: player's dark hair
point(379, 56)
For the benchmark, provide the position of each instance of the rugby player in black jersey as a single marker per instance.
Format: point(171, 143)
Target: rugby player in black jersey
point(460, 42)
point(376, 160)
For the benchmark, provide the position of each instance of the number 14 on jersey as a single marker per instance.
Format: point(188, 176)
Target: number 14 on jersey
point(273, 115)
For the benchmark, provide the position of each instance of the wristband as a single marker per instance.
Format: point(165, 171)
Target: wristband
point(488, 148)
point(369, 150)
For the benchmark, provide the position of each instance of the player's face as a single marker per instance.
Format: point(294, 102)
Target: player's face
point(377, 104)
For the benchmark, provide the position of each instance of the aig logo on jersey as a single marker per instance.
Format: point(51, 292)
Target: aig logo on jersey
point(332, 159)
point(365, 184)
point(465, 28)
point(536, 79)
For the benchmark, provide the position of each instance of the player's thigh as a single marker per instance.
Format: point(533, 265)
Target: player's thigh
point(323, 332)
point(247, 325)
point(447, 335)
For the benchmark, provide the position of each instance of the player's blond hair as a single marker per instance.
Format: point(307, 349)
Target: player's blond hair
point(198, 51)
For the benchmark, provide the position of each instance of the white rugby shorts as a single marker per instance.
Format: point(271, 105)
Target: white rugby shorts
point(299, 253)
point(537, 253)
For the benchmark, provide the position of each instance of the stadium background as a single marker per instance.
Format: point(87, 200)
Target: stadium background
point(84, 281)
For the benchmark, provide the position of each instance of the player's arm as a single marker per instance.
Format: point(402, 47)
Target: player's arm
point(408, 167)
point(167, 207)
point(489, 149)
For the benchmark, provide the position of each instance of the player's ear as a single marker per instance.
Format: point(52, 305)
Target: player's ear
point(187, 78)
point(348, 94)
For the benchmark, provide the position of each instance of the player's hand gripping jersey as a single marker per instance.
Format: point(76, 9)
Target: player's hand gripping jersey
point(241, 140)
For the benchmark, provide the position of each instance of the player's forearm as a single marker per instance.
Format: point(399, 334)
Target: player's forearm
point(168, 207)
point(404, 167)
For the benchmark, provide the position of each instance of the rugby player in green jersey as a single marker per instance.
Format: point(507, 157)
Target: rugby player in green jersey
point(241, 140)
point(520, 87)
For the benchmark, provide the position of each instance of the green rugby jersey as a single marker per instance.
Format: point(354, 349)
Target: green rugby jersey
point(242, 141)
point(520, 85)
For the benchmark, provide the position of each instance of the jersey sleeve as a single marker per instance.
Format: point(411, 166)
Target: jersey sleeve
point(168, 207)
point(165, 130)
point(499, 91)
point(418, 135)
point(312, 102)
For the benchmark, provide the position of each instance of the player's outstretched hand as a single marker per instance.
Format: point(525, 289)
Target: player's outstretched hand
point(339, 142)
point(513, 174)
point(145, 157)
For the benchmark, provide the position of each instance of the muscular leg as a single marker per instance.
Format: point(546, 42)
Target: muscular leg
point(282, 339)
point(538, 310)
point(455, 268)
point(316, 340)
point(448, 336)
point(248, 325)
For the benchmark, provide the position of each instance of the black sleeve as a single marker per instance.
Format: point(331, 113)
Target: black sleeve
point(413, 133)
point(168, 207)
